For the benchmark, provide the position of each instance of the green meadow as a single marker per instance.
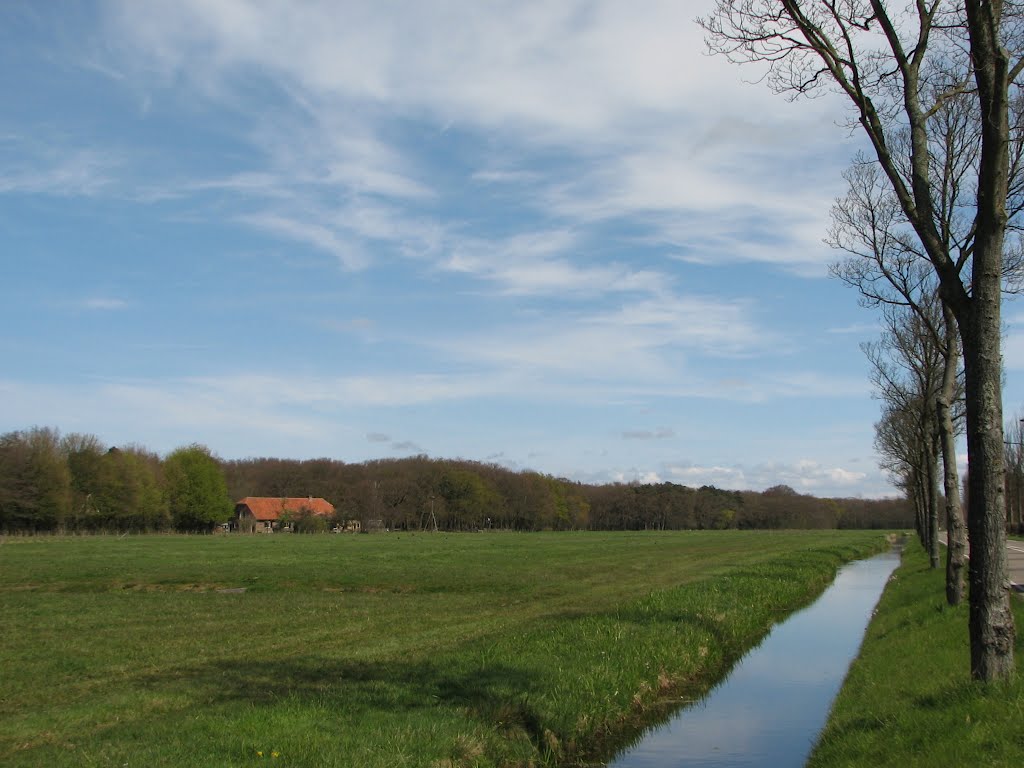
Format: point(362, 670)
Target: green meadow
point(379, 650)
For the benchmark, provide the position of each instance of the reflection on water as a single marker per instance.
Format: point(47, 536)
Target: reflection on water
point(769, 711)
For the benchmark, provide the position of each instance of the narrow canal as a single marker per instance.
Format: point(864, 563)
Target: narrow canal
point(769, 711)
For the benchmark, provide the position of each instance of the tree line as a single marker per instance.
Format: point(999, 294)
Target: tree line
point(423, 493)
point(75, 483)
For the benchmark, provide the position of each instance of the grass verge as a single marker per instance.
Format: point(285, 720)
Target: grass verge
point(439, 651)
point(908, 700)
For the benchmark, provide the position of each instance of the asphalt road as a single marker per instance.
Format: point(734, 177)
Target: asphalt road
point(1015, 563)
point(1014, 560)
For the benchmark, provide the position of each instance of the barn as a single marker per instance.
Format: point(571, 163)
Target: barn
point(263, 514)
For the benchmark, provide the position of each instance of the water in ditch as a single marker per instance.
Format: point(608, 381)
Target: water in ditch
point(770, 709)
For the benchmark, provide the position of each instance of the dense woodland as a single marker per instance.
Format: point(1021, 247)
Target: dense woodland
point(75, 483)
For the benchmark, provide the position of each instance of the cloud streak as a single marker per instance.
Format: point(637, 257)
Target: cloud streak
point(804, 476)
point(57, 169)
point(662, 433)
point(104, 304)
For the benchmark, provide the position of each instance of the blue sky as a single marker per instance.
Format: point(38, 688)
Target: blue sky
point(554, 236)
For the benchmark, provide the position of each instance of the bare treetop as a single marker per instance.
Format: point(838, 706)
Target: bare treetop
point(863, 48)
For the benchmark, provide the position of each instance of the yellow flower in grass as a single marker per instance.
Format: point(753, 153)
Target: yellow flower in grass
point(275, 754)
point(259, 753)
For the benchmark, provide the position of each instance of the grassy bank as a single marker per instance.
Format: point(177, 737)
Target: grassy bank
point(908, 700)
point(389, 650)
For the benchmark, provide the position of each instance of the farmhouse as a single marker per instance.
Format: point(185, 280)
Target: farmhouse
point(260, 514)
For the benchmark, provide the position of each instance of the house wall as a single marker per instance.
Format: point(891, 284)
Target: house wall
point(245, 522)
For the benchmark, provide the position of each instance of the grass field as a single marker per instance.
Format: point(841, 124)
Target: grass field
point(389, 650)
point(907, 700)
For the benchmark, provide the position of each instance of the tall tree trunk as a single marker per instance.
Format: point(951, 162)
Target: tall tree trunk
point(920, 509)
point(1015, 511)
point(926, 492)
point(1014, 480)
point(991, 622)
point(956, 530)
point(931, 491)
point(932, 478)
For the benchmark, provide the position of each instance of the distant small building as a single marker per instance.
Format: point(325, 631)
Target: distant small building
point(260, 514)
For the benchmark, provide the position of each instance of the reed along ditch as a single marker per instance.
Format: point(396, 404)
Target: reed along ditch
point(768, 712)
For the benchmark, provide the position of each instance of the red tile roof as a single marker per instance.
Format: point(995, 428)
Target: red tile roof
point(271, 508)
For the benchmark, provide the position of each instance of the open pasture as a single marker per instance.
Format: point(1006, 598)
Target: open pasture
point(387, 650)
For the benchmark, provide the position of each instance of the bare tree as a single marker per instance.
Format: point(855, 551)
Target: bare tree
point(908, 371)
point(1015, 474)
point(950, 395)
point(887, 266)
point(898, 66)
point(898, 441)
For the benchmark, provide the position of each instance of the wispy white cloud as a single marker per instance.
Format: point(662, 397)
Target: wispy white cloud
point(857, 329)
point(1013, 351)
point(353, 233)
point(104, 303)
point(545, 263)
point(346, 392)
point(356, 325)
point(249, 183)
point(326, 146)
point(662, 433)
point(798, 383)
point(805, 476)
point(647, 347)
point(599, 84)
point(160, 414)
point(1013, 340)
point(62, 171)
point(573, 67)
point(348, 251)
point(499, 176)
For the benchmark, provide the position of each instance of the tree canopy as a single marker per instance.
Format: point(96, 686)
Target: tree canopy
point(196, 492)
